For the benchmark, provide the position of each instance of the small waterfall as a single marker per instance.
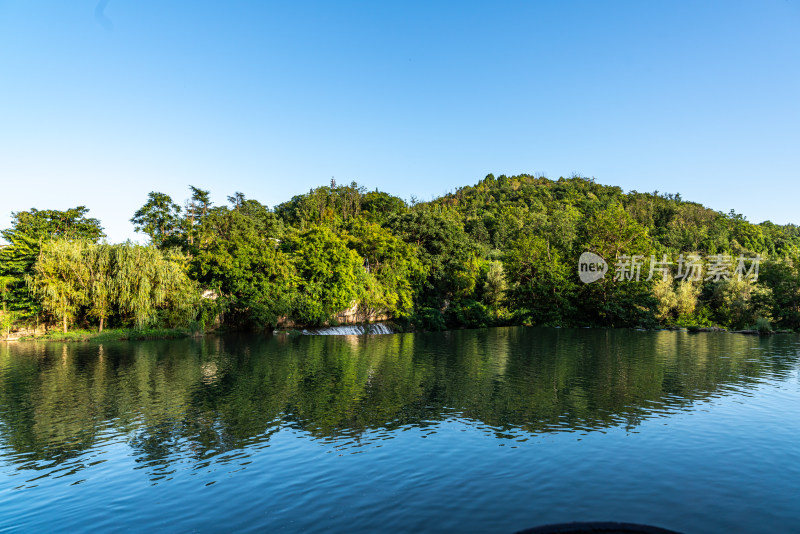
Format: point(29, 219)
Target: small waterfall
point(349, 330)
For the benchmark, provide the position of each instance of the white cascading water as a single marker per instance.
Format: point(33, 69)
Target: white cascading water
point(349, 330)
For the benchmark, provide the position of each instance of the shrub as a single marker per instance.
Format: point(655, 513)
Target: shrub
point(469, 313)
point(763, 326)
point(429, 319)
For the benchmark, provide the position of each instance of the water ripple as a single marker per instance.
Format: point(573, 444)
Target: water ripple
point(269, 432)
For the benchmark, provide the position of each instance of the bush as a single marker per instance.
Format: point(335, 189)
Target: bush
point(763, 326)
point(699, 318)
point(468, 313)
point(429, 319)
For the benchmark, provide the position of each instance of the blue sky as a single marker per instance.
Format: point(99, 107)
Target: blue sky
point(413, 98)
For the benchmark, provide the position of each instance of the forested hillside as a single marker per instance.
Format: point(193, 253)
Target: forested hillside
point(504, 251)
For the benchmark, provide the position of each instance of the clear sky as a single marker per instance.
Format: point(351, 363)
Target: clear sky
point(101, 103)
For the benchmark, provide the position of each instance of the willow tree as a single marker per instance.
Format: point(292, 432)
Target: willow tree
point(6, 318)
point(60, 279)
point(28, 232)
point(99, 262)
point(147, 280)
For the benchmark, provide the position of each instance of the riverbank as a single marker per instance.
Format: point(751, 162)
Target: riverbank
point(113, 334)
point(747, 331)
point(126, 334)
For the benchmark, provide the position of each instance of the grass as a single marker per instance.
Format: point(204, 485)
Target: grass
point(114, 334)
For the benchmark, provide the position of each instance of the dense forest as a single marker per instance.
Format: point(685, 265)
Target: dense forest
point(504, 251)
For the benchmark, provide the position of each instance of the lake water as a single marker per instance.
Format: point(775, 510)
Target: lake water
point(472, 431)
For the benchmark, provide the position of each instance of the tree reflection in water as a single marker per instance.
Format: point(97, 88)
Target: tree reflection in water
point(214, 398)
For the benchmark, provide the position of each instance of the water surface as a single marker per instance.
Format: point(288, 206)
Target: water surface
point(488, 430)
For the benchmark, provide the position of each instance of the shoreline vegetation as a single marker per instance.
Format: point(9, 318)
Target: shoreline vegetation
point(502, 252)
point(113, 334)
point(132, 334)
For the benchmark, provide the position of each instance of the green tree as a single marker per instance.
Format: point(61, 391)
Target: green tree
point(495, 286)
point(239, 257)
point(147, 281)
point(197, 207)
point(542, 288)
point(739, 303)
point(99, 262)
point(75, 278)
point(667, 298)
point(331, 276)
point(331, 206)
point(379, 207)
point(28, 232)
point(60, 279)
point(448, 255)
point(160, 219)
point(783, 278)
point(613, 233)
point(394, 266)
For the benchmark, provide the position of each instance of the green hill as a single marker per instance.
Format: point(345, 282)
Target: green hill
point(503, 251)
